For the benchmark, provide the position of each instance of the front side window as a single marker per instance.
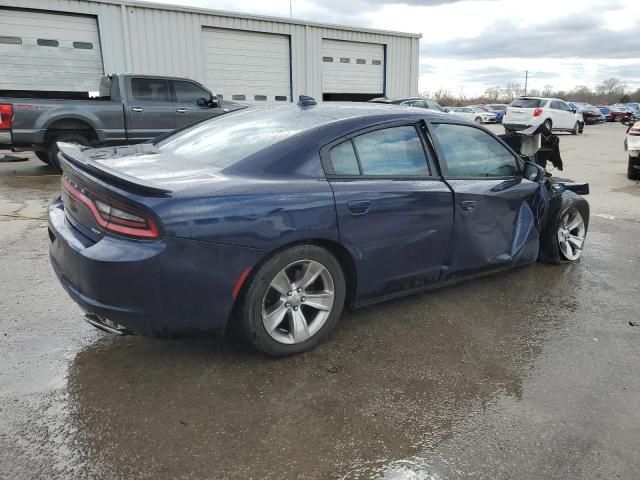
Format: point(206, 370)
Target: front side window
point(431, 105)
point(471, 152)
point(187, 92)
point(564, 106)
point(150, 89)
point(396, 151)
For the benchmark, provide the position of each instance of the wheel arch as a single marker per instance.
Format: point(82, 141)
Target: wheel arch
point(342, 254)
point(70, 124)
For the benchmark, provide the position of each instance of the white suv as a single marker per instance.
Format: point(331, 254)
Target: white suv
point(556, 114)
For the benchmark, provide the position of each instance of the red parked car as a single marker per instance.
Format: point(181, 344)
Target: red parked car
point(615, 114)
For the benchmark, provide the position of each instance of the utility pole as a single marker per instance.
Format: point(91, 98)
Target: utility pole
point(290, 9)
point(526, 79)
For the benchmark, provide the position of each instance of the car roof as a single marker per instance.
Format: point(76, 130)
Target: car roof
point(397, 100)
point(327, 112)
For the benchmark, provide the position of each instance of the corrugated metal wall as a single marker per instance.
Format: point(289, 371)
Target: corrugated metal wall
point(155, 39)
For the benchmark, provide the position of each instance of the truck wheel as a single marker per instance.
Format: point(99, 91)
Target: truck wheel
point(52, 153)
point(563, 235)
point(43, 156)
point(633, 169)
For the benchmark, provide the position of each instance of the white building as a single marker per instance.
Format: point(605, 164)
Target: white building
point(67, 45)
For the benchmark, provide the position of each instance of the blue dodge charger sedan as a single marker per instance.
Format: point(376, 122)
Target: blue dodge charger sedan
point(275, 217)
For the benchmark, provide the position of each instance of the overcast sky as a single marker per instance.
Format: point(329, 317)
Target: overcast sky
point(471, 45)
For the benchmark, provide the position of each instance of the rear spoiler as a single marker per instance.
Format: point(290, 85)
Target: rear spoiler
point(539, 143)
point(84, 158)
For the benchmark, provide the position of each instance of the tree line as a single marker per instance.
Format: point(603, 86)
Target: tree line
point(611, 90)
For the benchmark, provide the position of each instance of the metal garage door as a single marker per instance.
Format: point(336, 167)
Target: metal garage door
point(247, 66)
point(352, 70)
point(46, 51)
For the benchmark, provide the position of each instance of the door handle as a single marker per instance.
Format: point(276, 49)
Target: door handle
point(359, 207)
point(181, 110)
point(468, 205)
point(137, 109)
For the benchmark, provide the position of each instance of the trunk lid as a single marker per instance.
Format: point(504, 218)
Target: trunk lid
point(89, 197)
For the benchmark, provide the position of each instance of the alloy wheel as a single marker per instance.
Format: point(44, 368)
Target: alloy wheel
point(298, 301)
point(571, 235)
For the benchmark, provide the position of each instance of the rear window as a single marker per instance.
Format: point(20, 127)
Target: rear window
point(526, 103)
point(227, 139)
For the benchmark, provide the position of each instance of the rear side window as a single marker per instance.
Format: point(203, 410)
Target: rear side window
point(471, 152)
point(526, 103)
point(187, 92)
point(344, 160)
point(393, 151)
point(150, 89)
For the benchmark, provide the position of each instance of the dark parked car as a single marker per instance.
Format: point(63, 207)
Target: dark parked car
point(130, 109)
point(418, 102)
point(591, 114)
point(274, 217)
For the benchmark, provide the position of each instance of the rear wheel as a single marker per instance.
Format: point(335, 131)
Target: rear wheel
point(547, 123)
point(562, 238)
point(633, 168)
point(43, 156)
point(293, 301)
point(478, 120)
point(52, 153)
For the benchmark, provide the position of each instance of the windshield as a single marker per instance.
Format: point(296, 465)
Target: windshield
point(526, 103)
point(232, 137)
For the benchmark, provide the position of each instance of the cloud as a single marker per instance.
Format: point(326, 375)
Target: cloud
point(501, 76)
point(580, 36)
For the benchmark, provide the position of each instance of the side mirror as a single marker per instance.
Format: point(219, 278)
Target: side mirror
point(573, 110)
point(533, 172)
point(215, 101)
point(202, 102)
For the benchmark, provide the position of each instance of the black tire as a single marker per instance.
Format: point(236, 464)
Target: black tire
point(633, 168)
point(74, 137)
point(43, 157)
point(249, 311)
point(548, 124)
point(559, 206)
point(581, 128)
point(478, 120)
point(576, 129)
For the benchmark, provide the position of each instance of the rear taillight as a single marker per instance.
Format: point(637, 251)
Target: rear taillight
point(6, 114)
point(537, 112)
point(634, 132)
point(112, 216)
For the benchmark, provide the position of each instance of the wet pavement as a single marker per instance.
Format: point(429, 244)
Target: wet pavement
point(533, 374)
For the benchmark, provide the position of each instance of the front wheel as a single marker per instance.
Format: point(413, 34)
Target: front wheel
point(562, 238)
point(293, 301)
point(633, 168)
point(576, 129)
